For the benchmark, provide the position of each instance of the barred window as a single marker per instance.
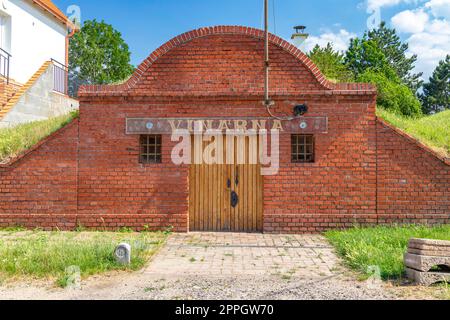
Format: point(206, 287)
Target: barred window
point(150, 149)
point(302, 148)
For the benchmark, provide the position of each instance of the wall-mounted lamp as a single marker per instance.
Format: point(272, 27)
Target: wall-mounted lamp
point(300, 110)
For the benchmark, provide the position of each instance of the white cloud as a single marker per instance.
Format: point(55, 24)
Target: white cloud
point(340, 40)
point(377, 4)
point(439, 8)
point(431, 46)
point(409, 21)
point(439, 26)
point(426, 28)
point(429, 33)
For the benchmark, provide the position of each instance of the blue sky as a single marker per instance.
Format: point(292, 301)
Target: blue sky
point(146, 24)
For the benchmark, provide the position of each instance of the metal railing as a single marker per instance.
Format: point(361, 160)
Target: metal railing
point(60, 77)
point(65, 81)
point(5, 61)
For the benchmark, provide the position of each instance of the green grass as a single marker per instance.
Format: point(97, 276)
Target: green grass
point(433, 131)
point(40, 254)
point(382, 246)
point(14, 141)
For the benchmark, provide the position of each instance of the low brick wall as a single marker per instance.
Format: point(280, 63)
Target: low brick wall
point(413, 184)
point(39, 189)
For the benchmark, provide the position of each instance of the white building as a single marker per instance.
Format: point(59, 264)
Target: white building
point(32, 32)
point(34, 43)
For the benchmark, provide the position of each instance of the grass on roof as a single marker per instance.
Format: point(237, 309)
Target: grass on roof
point(433, 131)
point(14, 141)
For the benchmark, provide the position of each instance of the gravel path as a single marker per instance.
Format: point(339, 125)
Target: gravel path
point(148, 287)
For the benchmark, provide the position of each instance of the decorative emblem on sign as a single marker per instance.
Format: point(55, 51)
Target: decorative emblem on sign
point(303, 125)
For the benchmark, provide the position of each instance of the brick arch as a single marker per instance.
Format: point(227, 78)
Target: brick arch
point(210, 31)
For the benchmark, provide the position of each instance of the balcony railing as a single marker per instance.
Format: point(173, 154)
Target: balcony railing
point(5, 61)
point(65, 81)
point(60, 77)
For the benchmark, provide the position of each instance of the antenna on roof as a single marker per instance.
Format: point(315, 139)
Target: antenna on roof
point(268, 102)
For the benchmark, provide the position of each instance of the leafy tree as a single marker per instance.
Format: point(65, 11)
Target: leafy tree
point(99, 55)
point(392, 94)
point(436, 93)
point(395, 52)
point(363, 55)
point(331, 63)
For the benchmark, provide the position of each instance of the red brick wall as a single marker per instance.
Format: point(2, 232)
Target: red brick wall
point(413, 184)
point(340, 185)
point(210, 76)
point(339, 189)
point(113, 185)
point(40, 188)
point(106, 187)
point(222, 64)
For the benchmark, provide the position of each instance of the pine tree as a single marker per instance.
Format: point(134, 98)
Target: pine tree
point(395, 52)
point(436, 93)
point(331, 63)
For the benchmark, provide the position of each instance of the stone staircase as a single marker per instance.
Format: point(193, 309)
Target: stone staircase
point(20, 90)
point(35, 100)
point(8, 90)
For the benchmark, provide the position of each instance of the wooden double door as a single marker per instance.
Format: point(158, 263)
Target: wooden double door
point(226, 197)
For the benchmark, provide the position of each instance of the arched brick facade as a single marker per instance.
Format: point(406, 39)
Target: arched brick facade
point(360, 175)
point(221, 31)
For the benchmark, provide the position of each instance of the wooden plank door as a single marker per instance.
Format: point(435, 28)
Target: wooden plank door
point(210, 197)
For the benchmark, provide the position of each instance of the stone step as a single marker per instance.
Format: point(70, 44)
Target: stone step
point(430, 253)
point(427, 247)
point(427, 243)
point(425, 263)
point(427, 278)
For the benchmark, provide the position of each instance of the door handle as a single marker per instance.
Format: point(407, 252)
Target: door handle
point(234, 199)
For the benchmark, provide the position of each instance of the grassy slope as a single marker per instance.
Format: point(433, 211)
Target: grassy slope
point(433, 131)
point(382, 246)
point(48, 254)
point(21, 138)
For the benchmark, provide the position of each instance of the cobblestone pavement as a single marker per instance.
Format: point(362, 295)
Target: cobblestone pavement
point(227, 254)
